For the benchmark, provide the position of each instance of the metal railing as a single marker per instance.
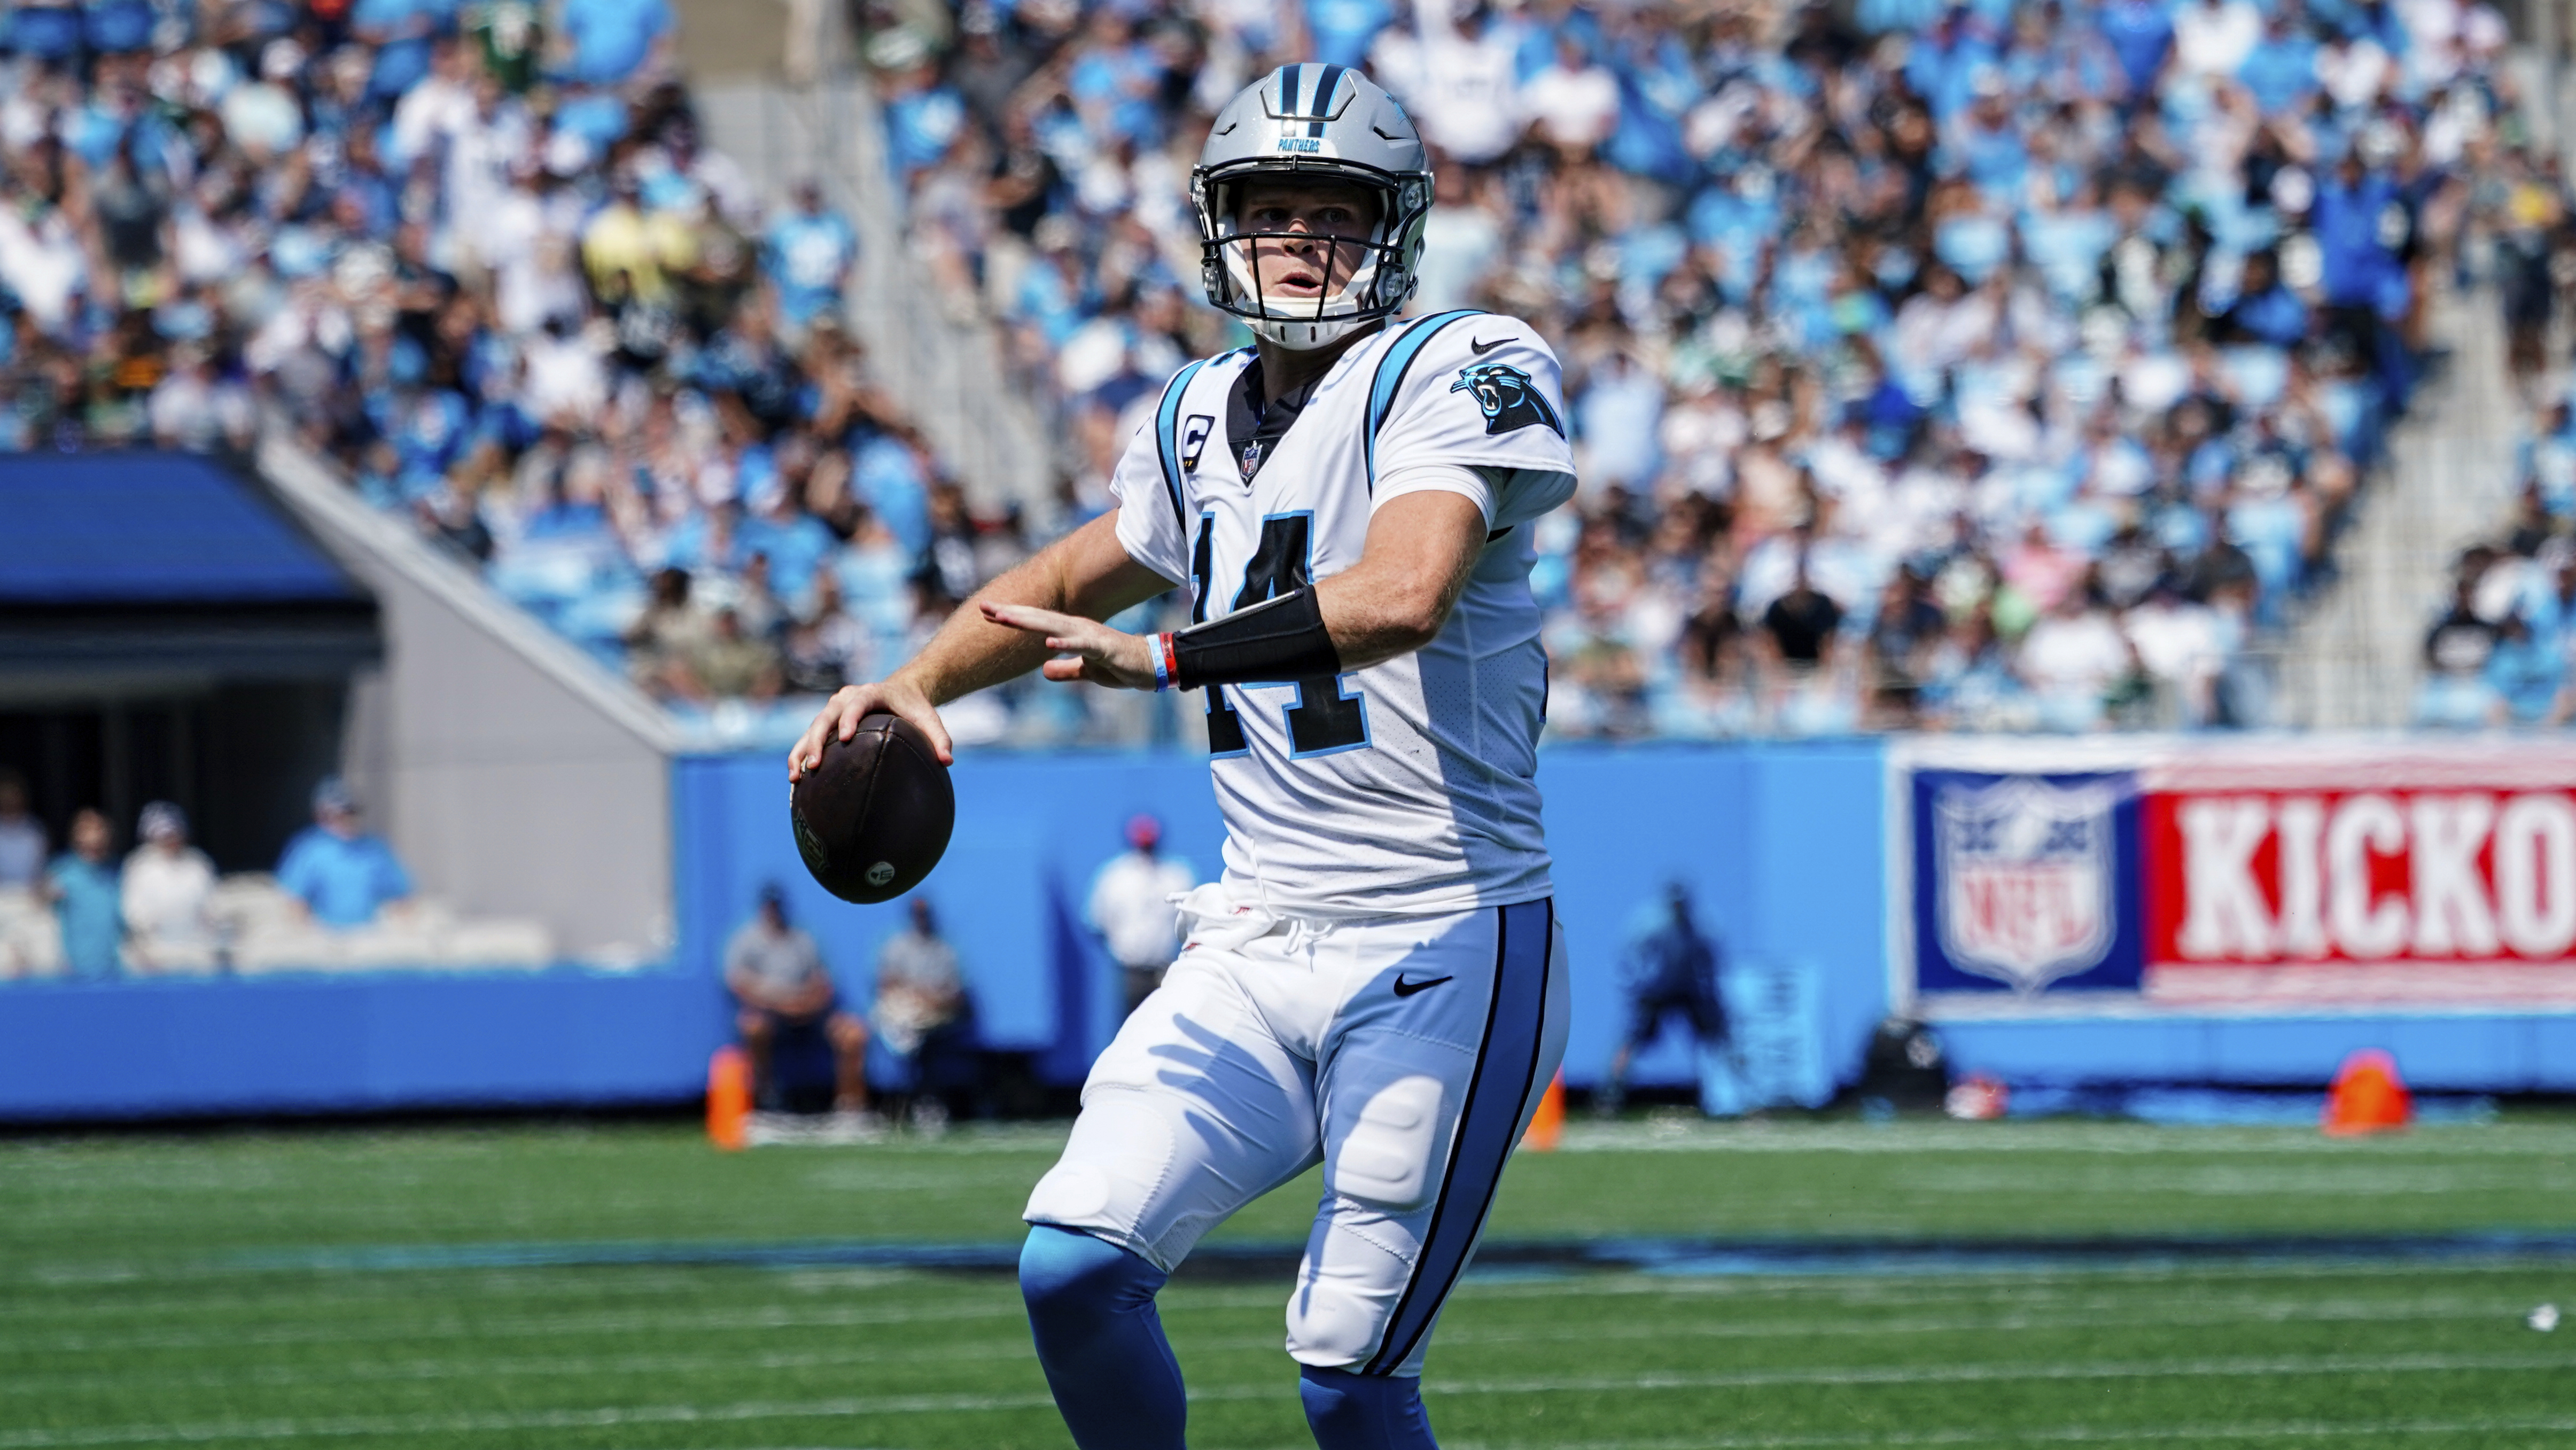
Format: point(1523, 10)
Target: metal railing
point(946, 370)
point(2353, 660)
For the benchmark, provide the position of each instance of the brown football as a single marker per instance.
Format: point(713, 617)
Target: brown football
point(873, 818)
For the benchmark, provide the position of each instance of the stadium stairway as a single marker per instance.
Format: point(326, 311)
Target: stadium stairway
point(518, 775)
point(947, 371)
point(2351, 662)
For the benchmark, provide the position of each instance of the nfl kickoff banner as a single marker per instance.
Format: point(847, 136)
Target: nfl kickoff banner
point(2307, 874)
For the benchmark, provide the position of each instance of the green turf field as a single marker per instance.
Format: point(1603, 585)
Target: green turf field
point(238, 1290)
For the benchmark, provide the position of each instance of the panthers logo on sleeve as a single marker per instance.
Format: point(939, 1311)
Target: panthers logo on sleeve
point(1509, 400)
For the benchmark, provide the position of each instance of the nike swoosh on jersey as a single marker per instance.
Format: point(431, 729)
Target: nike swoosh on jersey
point(1480, 347)
point(1404, 988)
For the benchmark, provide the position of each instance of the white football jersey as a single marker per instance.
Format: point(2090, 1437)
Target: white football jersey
point(1407, 787)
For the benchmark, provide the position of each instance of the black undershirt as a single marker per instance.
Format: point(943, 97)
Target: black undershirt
point(1255, 427)
point(1263, 426)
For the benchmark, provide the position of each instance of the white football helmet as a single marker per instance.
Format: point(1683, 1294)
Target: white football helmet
point(1312, 122)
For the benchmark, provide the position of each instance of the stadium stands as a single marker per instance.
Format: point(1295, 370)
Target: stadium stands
point(2048, 345)
point(261, 930)
point(2053, 341)
point(2496, 653)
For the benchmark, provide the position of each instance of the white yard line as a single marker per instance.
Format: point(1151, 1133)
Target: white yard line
point(1892, 1287)
point(2002, 1373)
point(479, 1328)
point(2486, 1140)
point(1854, 1291)
point(2067, 1435)
point(361, 1427)
point(2278, 1312)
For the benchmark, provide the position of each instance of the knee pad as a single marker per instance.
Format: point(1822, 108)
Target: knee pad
point(1337, 1322)
point(1385, 1161)
point(1364, 1412)
point(1122, 1148)
point(1065, 1275)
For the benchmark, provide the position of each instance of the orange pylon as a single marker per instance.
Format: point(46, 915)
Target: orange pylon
point(729, 1099)
point(2368, 1096)
point(1547, 1125)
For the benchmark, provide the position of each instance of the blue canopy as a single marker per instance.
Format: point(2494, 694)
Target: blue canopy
point(150, 528)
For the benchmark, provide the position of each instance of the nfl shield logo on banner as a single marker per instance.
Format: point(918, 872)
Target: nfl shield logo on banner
point(2023, 876)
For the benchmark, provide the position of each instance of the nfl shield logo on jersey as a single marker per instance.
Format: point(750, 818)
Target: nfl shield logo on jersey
point(2023, 873)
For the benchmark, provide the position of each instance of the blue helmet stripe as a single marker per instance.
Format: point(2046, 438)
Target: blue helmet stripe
point(1324, 89)
point(1292, 79)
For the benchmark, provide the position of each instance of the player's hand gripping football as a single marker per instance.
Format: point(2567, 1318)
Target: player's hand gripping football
point(841, 714)
point(1090, 650)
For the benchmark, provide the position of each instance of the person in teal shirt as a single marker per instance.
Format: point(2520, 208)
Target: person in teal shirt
point(342, 874)
point(87, 899)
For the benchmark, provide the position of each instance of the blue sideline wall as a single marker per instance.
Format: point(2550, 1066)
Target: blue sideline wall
point(1781, 846)
point(1778, 843)
point(2472, 1052)
point(179, 1048)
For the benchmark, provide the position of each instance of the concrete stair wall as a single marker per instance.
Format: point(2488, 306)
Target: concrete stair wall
point(2353, 660)
point(948, 371)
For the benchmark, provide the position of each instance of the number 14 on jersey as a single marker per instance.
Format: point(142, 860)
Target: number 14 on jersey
point(1323, 719)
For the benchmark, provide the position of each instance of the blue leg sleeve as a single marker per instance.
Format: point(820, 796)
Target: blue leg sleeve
point(1091, 1309)
point(1365, 1412)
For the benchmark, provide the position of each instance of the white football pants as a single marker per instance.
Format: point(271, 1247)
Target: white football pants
point(1405, 1054)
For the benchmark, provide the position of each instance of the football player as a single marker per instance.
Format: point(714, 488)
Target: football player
point(1377, 984)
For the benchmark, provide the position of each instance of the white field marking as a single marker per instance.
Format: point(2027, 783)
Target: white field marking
point(422, 1370)
point(1186, 1299)
point(636, 1281)
point(438, 1288)
point(2177, 1271)
point(352, 1427)
point(401, 1159)
point(1875, 1287)
point(2004, 1373)
point(918, 1176)
point(366, 1426)
point(78, 1275)
point(378, 1290)
point(460, 1328)
point(536, 1366)
point(2066, 1435)
point(2281, 1312)
point(2502, 1140)
point(1006, 1305)
point(2300, 1177)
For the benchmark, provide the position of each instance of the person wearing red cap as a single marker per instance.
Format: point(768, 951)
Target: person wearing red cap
point(1131, 908)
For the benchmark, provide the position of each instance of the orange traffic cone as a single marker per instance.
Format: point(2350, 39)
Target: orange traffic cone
point(2368, 1096)
point(1547, 1125)
point(729, 1099)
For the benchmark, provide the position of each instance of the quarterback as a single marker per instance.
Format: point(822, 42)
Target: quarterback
point(1377, 983)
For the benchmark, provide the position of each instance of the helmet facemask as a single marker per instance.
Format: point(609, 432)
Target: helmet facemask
point(1353, 295)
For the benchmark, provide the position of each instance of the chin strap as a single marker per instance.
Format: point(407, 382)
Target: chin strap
point(1308, 336)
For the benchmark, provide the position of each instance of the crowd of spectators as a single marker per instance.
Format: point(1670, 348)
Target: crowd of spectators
point(2502, 650)
point(476, 254)
point(163, 910)
point(912, 1047)
point(1998, 366)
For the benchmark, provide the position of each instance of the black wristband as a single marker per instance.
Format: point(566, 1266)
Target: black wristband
point(1273, 642)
